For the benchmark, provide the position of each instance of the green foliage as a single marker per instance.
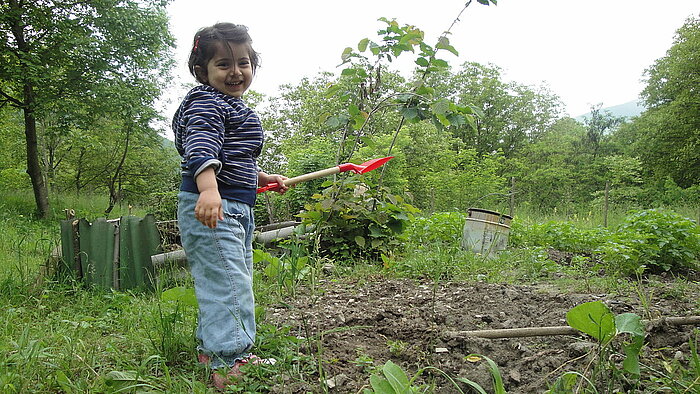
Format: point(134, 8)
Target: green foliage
point(71, 66)
point(557, 163)
point(624, 177)
point(665, 192)
point(431, 262)
point(443, 228)
point(314, 157)
point(354, 221)
point(24, 243)
point(416, 104)
point(180, 294)
point(683, 375)
point(654, 239)
point(666, 136)
point(393, 380)
point(509, 115)
point(287, 271)
point(599, 124)
point(173, 312)
point(657, 239)
point(437, 170)
point(453, 177)
point(163, 205)
point(14, 179)
point(596, 320)
point(547, 171)
point(564, 236)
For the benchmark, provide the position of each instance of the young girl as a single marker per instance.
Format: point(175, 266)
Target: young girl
point(219, 139)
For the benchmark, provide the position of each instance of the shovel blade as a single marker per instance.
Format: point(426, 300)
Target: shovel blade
point(366, 166)
point(374, 164)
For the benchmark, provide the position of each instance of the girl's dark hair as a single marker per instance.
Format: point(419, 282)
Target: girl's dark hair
point(204, 46)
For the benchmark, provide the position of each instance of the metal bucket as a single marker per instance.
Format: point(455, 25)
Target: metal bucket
point(486, 232)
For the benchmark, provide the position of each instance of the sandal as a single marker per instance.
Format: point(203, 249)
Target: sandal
point(222, 380)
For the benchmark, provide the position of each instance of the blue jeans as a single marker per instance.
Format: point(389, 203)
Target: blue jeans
point(221, 263)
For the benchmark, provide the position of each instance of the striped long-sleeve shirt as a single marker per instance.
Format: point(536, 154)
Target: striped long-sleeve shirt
point(214, 129)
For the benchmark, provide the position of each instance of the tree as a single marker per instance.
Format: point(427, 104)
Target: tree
point(512, 114)
point(668, 133)
point(599, 126)
point(57, 51)
point(548, 171)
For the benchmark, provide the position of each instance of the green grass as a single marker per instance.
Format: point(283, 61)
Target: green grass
point(58, 337)
point(66, 338)
point(25, 243)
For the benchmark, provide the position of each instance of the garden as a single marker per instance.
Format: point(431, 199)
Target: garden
point(594, 286)
point(608, 312)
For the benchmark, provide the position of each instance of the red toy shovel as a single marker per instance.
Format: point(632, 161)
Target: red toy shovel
point(356, 168)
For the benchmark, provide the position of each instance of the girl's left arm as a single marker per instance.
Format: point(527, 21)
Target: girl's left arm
point(265, 179)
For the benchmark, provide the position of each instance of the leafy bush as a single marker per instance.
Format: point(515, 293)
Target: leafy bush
point(163, 205)
point(441, 227)
point(353, 221)
point(564, 236)
point(657, 239)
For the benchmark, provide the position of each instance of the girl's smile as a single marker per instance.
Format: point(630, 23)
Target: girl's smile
point(229, 70)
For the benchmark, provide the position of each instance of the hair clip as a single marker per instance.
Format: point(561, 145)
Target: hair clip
point(196, 44)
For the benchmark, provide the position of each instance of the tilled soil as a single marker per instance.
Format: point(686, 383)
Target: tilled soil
point(360, 324)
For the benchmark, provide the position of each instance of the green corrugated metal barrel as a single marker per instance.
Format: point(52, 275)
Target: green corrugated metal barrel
point(112, 254)
point(139, 240)
point(69, 266)
point(96, 253)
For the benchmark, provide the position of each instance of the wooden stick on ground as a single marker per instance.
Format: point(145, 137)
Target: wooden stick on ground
point(556, 330)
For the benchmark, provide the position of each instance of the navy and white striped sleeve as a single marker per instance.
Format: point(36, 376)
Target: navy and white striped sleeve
point(204, 130)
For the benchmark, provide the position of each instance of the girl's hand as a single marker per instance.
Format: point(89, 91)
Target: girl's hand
point(266, 179)
point(209, 209)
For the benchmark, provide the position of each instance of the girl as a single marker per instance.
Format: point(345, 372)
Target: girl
point(219, 139)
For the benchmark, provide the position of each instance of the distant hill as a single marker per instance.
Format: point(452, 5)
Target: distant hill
point(628, 110)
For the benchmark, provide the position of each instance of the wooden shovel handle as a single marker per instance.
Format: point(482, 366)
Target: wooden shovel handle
point(312, 175)
point(301, 178)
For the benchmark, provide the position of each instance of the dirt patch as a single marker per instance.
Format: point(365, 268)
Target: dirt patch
point(364, 323)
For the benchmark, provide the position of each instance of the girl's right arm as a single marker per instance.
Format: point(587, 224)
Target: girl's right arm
point(208, 209)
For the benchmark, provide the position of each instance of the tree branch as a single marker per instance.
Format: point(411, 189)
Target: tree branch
point(12, 100)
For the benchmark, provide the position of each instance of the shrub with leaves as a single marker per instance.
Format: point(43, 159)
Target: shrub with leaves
point(657, 239)
point(354, 221)
point(438, 228)
point(564, 236)
point(163, 204)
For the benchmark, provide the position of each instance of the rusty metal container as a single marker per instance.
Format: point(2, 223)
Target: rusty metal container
point(486, 232)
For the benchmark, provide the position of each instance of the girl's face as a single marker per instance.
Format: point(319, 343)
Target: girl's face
point(230, 70)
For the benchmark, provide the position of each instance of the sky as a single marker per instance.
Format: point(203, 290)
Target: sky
point(587, 52)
